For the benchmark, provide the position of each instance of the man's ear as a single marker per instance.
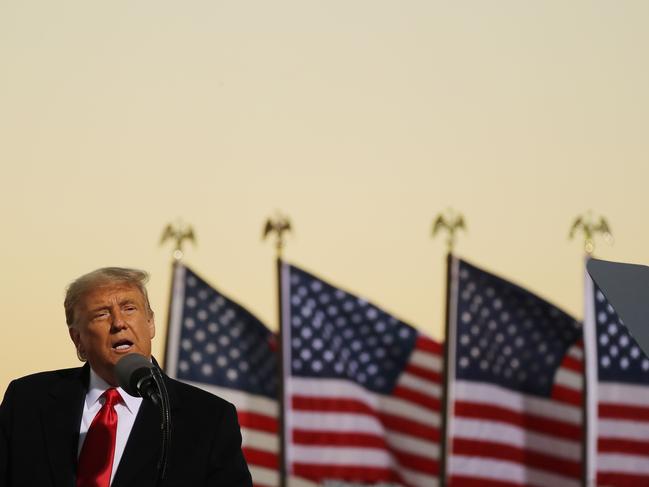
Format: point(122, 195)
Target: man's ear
point(74, 335)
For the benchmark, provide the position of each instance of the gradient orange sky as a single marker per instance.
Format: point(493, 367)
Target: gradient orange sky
point(359, 119)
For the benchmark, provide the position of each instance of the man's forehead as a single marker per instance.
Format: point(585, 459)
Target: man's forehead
point(111, 291)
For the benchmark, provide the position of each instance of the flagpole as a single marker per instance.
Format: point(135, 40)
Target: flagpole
point(450, 222)
point(279, 225)
point(590, 226)
point(280, 362)
point(174, 266)
point(585, 396)
point(178, 232)
point(443, 454)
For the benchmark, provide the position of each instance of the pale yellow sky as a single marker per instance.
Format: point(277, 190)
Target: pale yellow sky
point(360, 119)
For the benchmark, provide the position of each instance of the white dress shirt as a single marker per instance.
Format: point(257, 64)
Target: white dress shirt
point(126, 413)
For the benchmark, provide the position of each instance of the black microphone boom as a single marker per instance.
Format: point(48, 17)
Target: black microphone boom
point(135, 375)
point(139, 377)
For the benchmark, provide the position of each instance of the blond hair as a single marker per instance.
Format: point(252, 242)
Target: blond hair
point(102, 277)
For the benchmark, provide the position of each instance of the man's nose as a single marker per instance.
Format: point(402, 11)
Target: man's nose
point(118, 321)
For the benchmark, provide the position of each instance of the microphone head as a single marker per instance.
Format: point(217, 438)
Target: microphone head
point(130, 370)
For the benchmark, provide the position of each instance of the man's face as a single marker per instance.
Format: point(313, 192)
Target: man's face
point(111, 321)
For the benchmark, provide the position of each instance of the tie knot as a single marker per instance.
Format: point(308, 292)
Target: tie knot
point(112, 397)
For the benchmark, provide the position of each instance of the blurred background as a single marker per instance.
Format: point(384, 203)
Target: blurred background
point(358, 119)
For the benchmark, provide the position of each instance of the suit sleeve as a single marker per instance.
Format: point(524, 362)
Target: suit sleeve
point(5, 435)
point(228, 466)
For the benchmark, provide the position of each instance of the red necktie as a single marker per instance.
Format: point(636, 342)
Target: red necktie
point(96, 458)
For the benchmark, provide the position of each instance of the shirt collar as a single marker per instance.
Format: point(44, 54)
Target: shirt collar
point(98, 386)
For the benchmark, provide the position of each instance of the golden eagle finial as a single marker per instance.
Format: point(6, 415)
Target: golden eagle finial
point(450, 221)
point(178, 232)
point(279, 225)
point(591, 226)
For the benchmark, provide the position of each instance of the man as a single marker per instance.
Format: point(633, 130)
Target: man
point(77, 428)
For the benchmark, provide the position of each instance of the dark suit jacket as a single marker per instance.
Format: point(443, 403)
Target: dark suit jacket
point(39, 434)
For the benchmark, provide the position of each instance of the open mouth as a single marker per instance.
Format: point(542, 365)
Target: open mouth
point(122, 345)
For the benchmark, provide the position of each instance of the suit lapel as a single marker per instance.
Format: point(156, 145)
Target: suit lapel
point(61, 415)
point(141, 447)
point(142, 450)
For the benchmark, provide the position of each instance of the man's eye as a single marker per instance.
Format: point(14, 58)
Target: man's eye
point(100, 315)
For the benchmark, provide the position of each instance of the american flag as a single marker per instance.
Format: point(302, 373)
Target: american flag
point(362, 389)
point(217, 345)
point(618, 409)
point(514, 385)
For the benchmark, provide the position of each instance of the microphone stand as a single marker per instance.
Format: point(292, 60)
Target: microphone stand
point(165, 423)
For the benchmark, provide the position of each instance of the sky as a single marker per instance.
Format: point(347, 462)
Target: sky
point(360, 120)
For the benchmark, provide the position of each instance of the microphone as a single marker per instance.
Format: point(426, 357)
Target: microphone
point(135, 375)
point(140, 378)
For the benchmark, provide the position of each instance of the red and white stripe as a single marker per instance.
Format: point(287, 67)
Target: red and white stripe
point(501, 437)
point(622, 434)
point(339, 430)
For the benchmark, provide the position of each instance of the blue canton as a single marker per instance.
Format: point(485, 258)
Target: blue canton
point(223, 344)
point(619, 358)
point(507, 335)
point(337, 335)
